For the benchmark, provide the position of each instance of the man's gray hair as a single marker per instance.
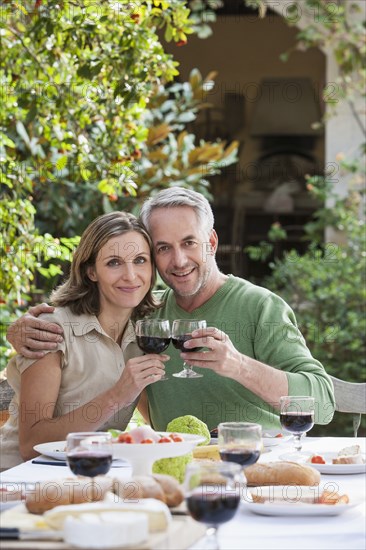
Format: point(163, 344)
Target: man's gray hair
point(179, 196)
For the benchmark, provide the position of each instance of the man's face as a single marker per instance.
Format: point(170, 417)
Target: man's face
point(184, 251)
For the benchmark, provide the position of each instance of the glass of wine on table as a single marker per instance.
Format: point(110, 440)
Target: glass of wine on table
point(89, 454)
point(181, 332)
point(212, 493)
point(153, 336)
point(240, 442)
point(297, 417)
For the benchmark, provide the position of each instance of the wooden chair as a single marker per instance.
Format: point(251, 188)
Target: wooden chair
point(350, 398)
point(6, 395)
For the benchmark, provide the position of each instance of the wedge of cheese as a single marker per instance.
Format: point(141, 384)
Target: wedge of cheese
point(106, 530)
point(158, 514)
point(349, 455)
point(206, 452)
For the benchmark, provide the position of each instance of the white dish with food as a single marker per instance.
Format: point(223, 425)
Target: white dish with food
point(339, 469)
point(54, 449)
point(272, 438)
point(300, 509)
point(295, 500)
point(142, 456)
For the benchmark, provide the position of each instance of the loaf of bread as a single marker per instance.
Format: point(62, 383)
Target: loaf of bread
point(159, 486)
point(281, 473)
point(76, 490)
point(349, 455)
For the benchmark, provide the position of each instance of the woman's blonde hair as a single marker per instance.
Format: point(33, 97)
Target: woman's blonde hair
point(81, 294)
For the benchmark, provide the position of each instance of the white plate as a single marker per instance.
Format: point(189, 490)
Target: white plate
point(330, 468)
point(270, 440)
point(291, 504)
point(298, 509)
point(55, 449)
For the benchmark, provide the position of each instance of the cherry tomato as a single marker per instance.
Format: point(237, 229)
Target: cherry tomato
point(279, 435)
point(177, 439)
point(147, 441)
point(125, 438)
point(165, 440)
point(317, 460)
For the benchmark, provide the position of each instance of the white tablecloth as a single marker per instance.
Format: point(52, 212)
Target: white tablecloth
point(248, 531)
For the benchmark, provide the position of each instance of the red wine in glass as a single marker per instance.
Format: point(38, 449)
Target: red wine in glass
point(212, 494)
point(296, 422)
point(181, 332)
point(152, 344)
point(212, 509)
point(244, 457)
point(153, 336)
point(297, 417)
point(178, 342)
point(89, 454)
point(240, 442)
point(89, 463)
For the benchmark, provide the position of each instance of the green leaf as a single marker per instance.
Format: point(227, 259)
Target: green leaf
point(61, 163)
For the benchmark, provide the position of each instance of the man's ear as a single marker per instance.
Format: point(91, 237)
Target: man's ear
point(214, 241)
point(91, 273)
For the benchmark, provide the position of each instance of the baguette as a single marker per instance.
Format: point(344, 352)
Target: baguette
point(76, 490)
point(281, 473)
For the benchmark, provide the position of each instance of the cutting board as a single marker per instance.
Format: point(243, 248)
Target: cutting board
point(182, 533)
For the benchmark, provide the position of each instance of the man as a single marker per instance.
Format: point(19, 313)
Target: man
point(253, 351)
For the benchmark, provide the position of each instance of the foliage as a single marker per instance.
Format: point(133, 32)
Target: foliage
point(326, 285)
point(88, 125)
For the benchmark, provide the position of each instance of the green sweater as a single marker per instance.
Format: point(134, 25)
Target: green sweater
point(261, 325)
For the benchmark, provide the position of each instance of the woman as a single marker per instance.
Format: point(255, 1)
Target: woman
point(93, 379)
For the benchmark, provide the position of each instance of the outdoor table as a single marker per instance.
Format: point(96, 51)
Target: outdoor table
point(249, 531)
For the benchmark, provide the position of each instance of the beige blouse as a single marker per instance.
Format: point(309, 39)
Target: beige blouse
point(92, 362)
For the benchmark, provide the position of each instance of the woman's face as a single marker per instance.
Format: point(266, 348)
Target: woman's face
point(123, 271)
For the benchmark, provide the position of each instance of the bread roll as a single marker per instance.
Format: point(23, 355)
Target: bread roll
point(139, 487)
point(76, 490)
point(281, 473)
point(159, 486)
point(173, 491)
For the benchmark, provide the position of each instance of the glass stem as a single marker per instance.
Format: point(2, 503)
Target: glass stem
point(298, 443)
point(211, 542)
point(187, 368)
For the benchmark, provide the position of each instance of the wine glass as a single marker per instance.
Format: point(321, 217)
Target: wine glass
point(153, 336)
point(297, 417)
point(89, 454)
point(212, 493)
point(181, 332)
point(240, 442)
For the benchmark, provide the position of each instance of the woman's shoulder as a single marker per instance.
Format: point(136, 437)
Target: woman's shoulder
point(59, 315)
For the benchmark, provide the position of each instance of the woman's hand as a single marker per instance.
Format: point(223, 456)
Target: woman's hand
point(139, 372)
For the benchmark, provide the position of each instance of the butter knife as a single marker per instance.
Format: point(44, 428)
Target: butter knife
point(17, 534)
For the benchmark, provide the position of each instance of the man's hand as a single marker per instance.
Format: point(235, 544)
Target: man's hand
point(223, 358)
point(221, 355)
point(31, 336)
